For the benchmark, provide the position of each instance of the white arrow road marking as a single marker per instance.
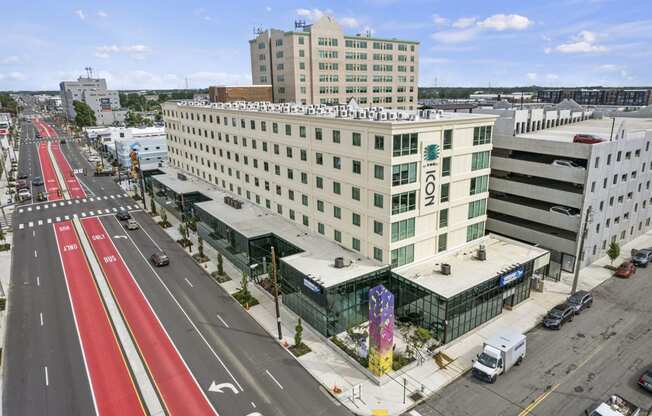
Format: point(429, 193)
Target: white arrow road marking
point(217, 388)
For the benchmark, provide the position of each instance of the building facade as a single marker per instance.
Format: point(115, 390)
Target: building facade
point(118, 142)
point(602, 96)
point(105, 103)
point(321, 64)
point(225, 94)
point(394, 190)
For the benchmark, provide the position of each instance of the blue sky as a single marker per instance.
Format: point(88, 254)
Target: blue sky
point(157, 44)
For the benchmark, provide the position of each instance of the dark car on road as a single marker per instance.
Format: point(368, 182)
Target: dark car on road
point(558, 316)
point(160, 259)
point(23, 176)
point(22, 184)
point(642, 258)
point(123, 215)
point(625, 270)
point(37, 181)
point(645, 381)
point(580, 300)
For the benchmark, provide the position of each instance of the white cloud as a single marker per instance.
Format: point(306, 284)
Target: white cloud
point(464, 22)
point(13, 76)
point(102, 14)
point(455, 36)
point(583, 42)
point(135, 51)
point(350, 22)
point(502, 22)
point(9, 60)
point(313, 14)
point(439, 21)
point(80, 14)
point(532, 76)
point(269, 9)
point(552, 77)
point(609, 68)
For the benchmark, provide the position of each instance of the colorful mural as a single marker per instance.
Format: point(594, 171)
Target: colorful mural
point(381, 330)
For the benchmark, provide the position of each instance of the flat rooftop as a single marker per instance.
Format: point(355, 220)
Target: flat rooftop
point(467, 271)
point(349, 111)
point(634, 128)
point(317, 259)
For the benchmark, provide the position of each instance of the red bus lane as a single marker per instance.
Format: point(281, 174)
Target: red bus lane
point(72, 183)
point(49, 176)
point(180, 392)
point(114, 392)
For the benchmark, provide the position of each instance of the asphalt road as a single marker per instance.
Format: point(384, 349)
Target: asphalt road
point(602, 352)
point(218, 340)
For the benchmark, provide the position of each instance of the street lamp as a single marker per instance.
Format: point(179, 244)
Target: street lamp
point(588, 218)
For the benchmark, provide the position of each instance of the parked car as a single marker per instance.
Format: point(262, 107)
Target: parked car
point(160, 259)
point(625, 270)
point(40, 197)
point(571, 212)
point(586, 139)
point(645, 380)
point(22, 184)
point(580, 300)
point(566, 164)
point(558, 316)
point(132, 224)
point(123, 215)
point(24, 194)
point(37, 181)
point(62, 141)
point(642, 258)
point(23, 176)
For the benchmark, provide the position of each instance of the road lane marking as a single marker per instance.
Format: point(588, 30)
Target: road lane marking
point(222, 320)
point(253, 405)
point(275, 380)
point(29, 209)
point(76, 201)
point(115, 209)
point(66, 217)
point(38, 281)
point(106, 197)
point(20, 211)
point(47, 379)
point(41, 316)
point(188, 281)
point(69, 202)
point(91, 213)
point(21, 226)
point(61, 203)
point(49, 220)
point(40, 222)
point(38, 207)
point(83, 214)
point(107, 211)
point(112, 196)
point(57, 219)
point(128, 206)
point(91, 199)
point(84, 200)
point(30, 224)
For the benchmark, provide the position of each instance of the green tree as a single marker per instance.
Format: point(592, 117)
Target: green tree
point(164, 217)
point(153, 204)
point(182, 231)
point(298, 334)
point(133, 119)
point(200, 246)
point(614, 251)
point(220, 264)
point(85, 116)
point(244, 286)
point(2, 235)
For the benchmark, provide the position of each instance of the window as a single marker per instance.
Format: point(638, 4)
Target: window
point(355, 219)
point(320, 228)
point(263, 125)
point(302, 131)
point(474, 231)
point(319, 159)
point(379, 142)
point(479, 184)
point(404, 173)
point(305, 220)
point(379, 172)
point(319, 182)
point(357, 167)
point(337, 188)
point(355, 243)
point(320, 205)
point(356, 139)
point(288, 130)
point(337, 162)
point(443, 218)
point(477, 208)
point(378, 200)
point(448, 139)
point(337, 212)
point(405, 144)
point(336, 136)
point(402, 255)
point(480, 160)
point(446, 166)
point(481, 135)
point(378, 227)
point(445, 189)
point(378, 254)
point(403, 229)
point(275, 128)
point(442, 242)
point(337, 236)
point(303, 154)
point(404, 202)
point(304, 200)
point(304, 178)
point(318, 134)
point(355, 193)
point(288, 152)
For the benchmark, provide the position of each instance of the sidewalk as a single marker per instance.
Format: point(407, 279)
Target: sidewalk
point(361, 395)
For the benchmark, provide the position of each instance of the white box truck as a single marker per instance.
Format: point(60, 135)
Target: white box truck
point(499, 354)
point(617, 405)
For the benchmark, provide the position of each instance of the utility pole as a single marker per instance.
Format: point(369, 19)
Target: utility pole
point(275, 280)
point(578, 259)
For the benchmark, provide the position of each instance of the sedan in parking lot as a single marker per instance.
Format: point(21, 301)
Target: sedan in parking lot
point(558, 316)
point(564, 210)
point(642, 258)
point(580, 300)
point(625, 270)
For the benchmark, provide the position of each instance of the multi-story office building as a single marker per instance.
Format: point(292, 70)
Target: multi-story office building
point(360, 181)
point(602, 96)
point(92, 91)
point(320, 64)
point(118, 142)
point(543, 184)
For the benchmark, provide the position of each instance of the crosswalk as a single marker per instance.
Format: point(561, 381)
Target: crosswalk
point(83, 214)
point(70, 202)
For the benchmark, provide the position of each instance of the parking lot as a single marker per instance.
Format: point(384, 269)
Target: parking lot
point(602, 351)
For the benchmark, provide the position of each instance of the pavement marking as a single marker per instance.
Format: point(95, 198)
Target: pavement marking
point(253, 405)
point(115, 209)
point(47, 379)
point(40, 222)
point(35, 254)
point(30, 224)
point(38, 281)
point(66, 217)
point(188, 281)
point(62, 203)
point(222, 320)
point(76, 201)
point(275, 380)
point(46, 206)
point(20, 211)
point(112, 196)
point(57, 219)
point(49, 220)
point(84, 200)
point(29, 209)
point(69, 202)
point(33, 233)
point(128, 206)
point(106, 197)
point(125, 195)
point(91, 213)
point(21, 226)
point(41, 316)
point(91, 199)
point(83, 214)
point(38, 207)
point(106, 211)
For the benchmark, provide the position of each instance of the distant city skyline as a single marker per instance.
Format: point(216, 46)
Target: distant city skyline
point(467, 44)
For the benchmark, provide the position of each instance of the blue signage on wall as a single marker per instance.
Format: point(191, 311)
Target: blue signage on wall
point(512, 276)
point(431, 152)
point(310, 285)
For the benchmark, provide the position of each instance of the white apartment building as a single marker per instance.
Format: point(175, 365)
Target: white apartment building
point(149, 142)
point(393, 186)
point(322, 65)
point(93, 91)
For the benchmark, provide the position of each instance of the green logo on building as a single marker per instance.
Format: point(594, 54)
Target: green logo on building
point(431, 152)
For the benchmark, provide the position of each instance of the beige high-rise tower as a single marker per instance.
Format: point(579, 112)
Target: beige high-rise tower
point(322, 65)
